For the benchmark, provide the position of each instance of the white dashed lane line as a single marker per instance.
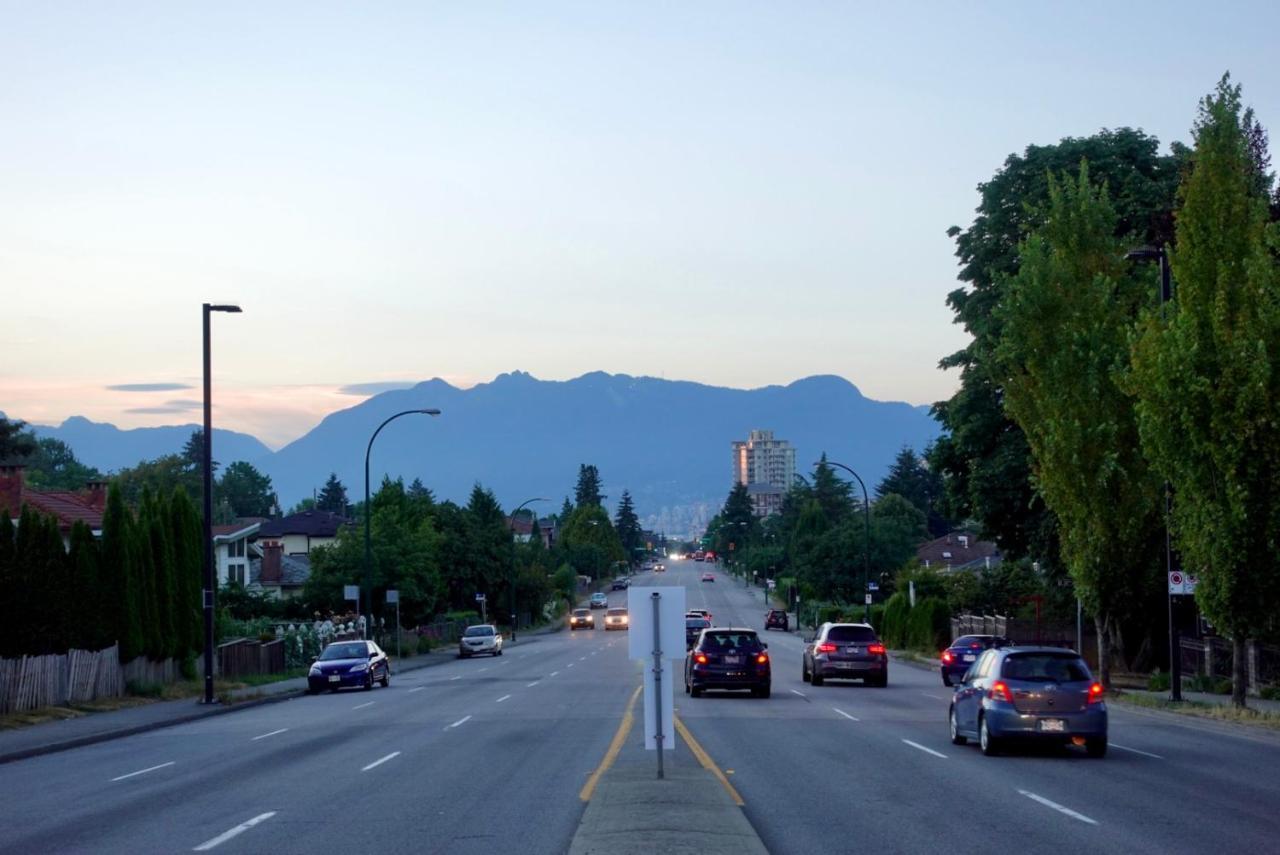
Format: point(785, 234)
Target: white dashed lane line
point(920, 747)
point(272, 733)
point(239, 829)
point(416, 689)
point(1137, 751)
point(460, 721)
point(501, 699)
point(380, 761)
point(362, 706)
point(459, 677)
point(531, 685)
point(801, 694)
point(144, 771)
point(1059, 808)
point(846, 715)
point(553, 673)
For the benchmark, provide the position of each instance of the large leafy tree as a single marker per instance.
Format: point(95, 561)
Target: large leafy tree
point(162, 475)
point(53, 466)
point(16, 442)
point(1066, 320)
point(246, 490)
point(589, 541)
point(1208, 384)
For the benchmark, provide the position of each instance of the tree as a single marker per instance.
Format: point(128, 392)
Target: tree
point(1067, 318)
point(16, 442)
point(53, 466)
point(247, 490)
point(188, 569)
point(627, 525)
point(590, 542)
point(162, 475)
point(587, 492)
point(833, 494)
point(119, 577)
point(566, 511)
point(1207, 381)
point(10, 590)
point(333, 496)
point(144, 571)
point(911, 478)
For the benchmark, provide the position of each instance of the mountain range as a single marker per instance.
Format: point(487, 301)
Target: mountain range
point(666, 441)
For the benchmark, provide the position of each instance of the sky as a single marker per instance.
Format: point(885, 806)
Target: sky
point(734, 193)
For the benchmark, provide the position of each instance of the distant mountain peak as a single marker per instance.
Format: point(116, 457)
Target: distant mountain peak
point(825, 382)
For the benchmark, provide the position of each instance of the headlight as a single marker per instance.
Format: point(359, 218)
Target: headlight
point(315, 671)
point(358, 667)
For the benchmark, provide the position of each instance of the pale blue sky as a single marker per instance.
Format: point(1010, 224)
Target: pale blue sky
point(733, 193)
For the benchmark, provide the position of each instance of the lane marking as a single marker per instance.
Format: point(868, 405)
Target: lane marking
point(501, 699)
point(801, 694)
point(925, 750)
point(570, 665)
point(145, 771)
point(272, 733)
point(462, 720)
point(1137, 751)
point(416, 689)
point(935, 697)
point(239, 829)
point(362, 706)
point(582, 659)
point(705, 759)
point(531, 685)
point(624, 728)
point(485, 668)
point(846, 715)
point(553, 673)
point(1061, 809)
point(459, 677)
point(381, 760)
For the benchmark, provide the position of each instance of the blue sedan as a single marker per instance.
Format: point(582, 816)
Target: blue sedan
point(349, 664)
point(963, 652)
point(1029, 694)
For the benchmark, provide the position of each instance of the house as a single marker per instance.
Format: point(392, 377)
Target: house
point(521, 528)
point(66, 506)
point(299, 533)
point(275, 573)
point(958, 550)
point(232, 550)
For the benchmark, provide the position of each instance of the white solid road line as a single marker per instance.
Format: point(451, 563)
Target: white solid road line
point(239, 829)
point(272, 733)
point(362, 706)
point(145, 771)
point(1137, 751)
point(531, 685)
point(501, 699)
point(381, 760)
point(1068, 811)
point(925, 750)
point(801, 694)
point(846, 715)
point(462, 720)
point(416, 689)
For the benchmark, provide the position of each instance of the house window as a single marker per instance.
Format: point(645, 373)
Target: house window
point(236, 573)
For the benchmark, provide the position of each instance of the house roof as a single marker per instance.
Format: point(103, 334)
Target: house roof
point(520, 525)
point(309, 523)
point(294, 570)
point(958, 549)
point(68, 508)
point(235, 531)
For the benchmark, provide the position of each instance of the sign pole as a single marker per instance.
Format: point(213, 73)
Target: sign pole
point(657, 677)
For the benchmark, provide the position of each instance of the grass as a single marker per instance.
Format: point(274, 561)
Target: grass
point(12, 721)
point(1199, 709)
point(916, 657)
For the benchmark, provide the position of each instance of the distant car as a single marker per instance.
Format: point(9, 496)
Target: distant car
point(703, 613)
point(963, 652)
point(660, 568)
point(620, 584)
point(693, 627)
point(728, 658)
point(617, 619)
point(845, 651)
point(1029, 694)
point(777, 619)
point(349, 664)
point(599, 600)
point(708, 577)
point(480, 638)
point(582, 619)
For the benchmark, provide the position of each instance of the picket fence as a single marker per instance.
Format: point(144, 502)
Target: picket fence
point(30, 682)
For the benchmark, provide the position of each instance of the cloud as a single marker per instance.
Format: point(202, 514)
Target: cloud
point(184, 403)
point(156, 411)
point(376, 387)
point(149, 387)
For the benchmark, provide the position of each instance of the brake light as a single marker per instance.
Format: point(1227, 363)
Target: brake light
point(878, 649)
point(1095, 693)
point(999, 691)
point(826, 647)
point(700, 658)
point(947, 657)
point(762, 659)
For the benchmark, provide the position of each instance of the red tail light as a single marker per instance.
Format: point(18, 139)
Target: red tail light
point(762, 659)
point(878, 649)
point(700, 658)
point(999, 691)
point(826, 648)
point(948, 657)
point(1095, 693)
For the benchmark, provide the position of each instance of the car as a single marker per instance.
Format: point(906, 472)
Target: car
point(693, 627)
point(777, 619)
point(349, 664)
point(621, 584)
point(708, 577)
point(728, 658)
point(480, 638)
point(963, 652)
point(845, 651)
point(617, 619)
point(582, 619)
point(599, 600)
point(703, 613)
point(660, 568)
point(1029, 694)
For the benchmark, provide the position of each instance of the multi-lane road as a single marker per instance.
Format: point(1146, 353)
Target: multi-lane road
point(491, 755)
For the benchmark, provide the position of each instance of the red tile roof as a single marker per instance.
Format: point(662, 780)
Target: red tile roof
point(69, 508)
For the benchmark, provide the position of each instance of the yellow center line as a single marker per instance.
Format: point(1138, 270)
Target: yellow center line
point(705, 759)
point(624, 728)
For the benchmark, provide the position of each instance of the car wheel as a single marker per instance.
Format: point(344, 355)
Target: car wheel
point(696, 691)
point(499, 653)
point(990, 746)
point(946, 680)
point(804, 672)
point(1096, 746)
point(814, 677)
point(386, 677)
point(311, 691)
point(368, 682)
point(957, 738)
point(762, 692)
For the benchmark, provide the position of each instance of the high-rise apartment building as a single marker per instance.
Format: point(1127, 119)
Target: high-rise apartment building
point(767, 466)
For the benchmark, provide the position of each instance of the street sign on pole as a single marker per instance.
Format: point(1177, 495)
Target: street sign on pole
point(351, 592)
point(393, 596)
point(1182, 583)
point(868, 598)
point(656, 636)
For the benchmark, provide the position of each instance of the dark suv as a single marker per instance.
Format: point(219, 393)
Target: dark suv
point(846, 651)
point(728, 658)
point(777, 619)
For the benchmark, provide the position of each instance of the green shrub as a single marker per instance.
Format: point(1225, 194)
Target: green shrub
point(929, 625)
point(424, 644)
point(877, 619)
point(189, 667)
point(830, 613)
point(1269, 693)
point(143, 690)
point(467, 617)
point(1199, 683)
point(896, 611)
point(1222, 686)
point(1158, 681)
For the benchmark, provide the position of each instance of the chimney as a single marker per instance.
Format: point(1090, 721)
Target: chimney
point(12, 482)
point(97, 497)
point(271, 573)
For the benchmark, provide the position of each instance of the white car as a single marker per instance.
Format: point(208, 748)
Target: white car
point(481, 638)
point(599, 600)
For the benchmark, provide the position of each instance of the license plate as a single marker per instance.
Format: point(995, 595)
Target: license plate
point(969, 657)
point(733, 660)
point(1053, 725)
point(335, 679)
point(852, 649)
point(844, 664)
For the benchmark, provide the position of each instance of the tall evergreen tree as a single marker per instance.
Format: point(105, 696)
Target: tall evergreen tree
point(566, 511)
point(143, 559)
point(21, 608)
point(333, 496)
point(587, 492)
point(163, 557)
point(52, 590)
point(87, 600)
point(184, 523)
point(834, 495)
point(9, 593)
point(910, 477)
point(119, 576)
point(16, 442)
point(627, 525)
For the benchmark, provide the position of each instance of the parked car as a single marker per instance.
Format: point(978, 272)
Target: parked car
point(617, 619)
point(582, 619)
point(599, 600)
point(708, 577)
point(1029, 694)
point(777, 619)
point(349, 664)
point(620, 584)
point(845, 651)
point(963, 652)
point(728, 658)
point(693, 627)
point(480, 638)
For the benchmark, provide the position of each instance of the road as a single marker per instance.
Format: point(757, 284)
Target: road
point(491, 754)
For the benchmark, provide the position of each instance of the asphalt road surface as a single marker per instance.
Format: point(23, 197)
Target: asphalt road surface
point(490, 754)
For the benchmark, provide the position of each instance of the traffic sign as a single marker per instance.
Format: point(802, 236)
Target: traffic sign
point(393, 596)
point(351, 592)
point(873, 586)
point(479, 598)
point(773, 583)
point(868, 599)
point(1182, 583)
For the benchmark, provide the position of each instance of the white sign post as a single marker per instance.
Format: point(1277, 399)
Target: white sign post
point(484, 612)
point(656, 634)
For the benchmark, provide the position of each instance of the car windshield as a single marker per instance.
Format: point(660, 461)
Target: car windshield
point(721, 641)
point(851, 633)
point(697, 623)
point(473, 631)
point(349, 650)
point(1045, 668)
point(616, 613)
point(581, 613)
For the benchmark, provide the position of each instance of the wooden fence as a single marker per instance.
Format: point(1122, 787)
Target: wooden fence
point(250, 656)
point(30, 682)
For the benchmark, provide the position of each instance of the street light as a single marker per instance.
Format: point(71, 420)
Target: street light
point(534, 533)
point(866, 548)
point(1157, 254)
point(367, 593)
point(206, 463)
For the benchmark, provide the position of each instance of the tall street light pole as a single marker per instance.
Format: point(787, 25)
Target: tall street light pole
point(1157, 254)
point(866, 548)
point(533, 533)
point(367, 593)
point(206, 464)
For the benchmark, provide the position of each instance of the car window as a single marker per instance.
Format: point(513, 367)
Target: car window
point(697, 623)
point(845, 632)
point(345, 650)
point(473, 631)
point(982, 668)
point(972, 641)
point(1045, 668)
point(720, 640)
point(581, 612)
